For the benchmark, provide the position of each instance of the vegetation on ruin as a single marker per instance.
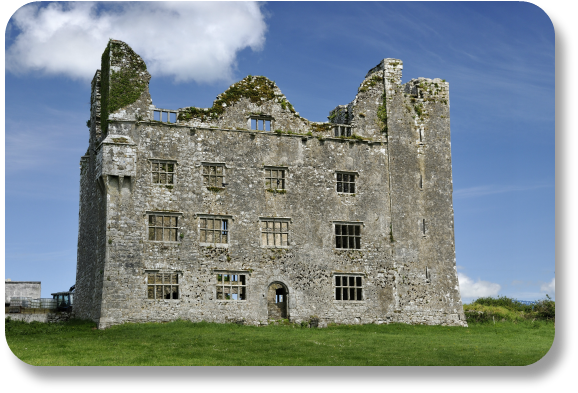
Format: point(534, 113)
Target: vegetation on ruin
point(183, 343)
point(382, 113)
point(276, 191)
point(258, 89)
point(321, 127)
point(120, 88)
point(367, 84)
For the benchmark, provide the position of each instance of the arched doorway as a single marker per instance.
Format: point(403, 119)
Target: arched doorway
point(277, 301)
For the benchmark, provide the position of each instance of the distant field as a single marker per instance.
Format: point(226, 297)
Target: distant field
point(182, 343)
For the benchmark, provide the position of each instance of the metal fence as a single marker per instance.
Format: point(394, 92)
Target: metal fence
point(28, 302)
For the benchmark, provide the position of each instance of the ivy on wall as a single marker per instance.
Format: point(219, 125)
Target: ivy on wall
point(124, 78)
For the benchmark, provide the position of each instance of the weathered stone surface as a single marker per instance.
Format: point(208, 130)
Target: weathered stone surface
point(398, 152)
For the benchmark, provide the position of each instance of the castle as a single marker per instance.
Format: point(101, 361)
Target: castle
point(246, 212)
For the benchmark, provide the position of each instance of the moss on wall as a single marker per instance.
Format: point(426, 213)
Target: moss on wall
point(258, 89)
point(122, 87)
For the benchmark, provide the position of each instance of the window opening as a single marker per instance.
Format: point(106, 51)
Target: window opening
point(274, 233)
point(348, 236)
point(214, 230)
point(231, 286)
point(348, 288)
point(213, 175)
point(163, 228)
point(423, 226)
point(420, 181)
point(342, 131)
point(261, 124)
point(163, 172)
point(274, 179)
point(346, 183)
point(157, 115)
point(162, 286)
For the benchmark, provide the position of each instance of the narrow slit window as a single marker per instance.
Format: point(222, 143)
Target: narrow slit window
point(423, 226)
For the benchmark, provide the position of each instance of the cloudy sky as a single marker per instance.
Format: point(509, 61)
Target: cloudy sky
point(497, 57)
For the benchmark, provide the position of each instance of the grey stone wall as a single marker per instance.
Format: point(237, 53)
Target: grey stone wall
point(21, 289)
point(399, 152)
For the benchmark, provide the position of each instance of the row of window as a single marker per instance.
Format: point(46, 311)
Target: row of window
point(163, 172)
point(233, 286)
point(274, 231)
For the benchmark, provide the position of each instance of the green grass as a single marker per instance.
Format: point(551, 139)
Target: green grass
point(183, 343)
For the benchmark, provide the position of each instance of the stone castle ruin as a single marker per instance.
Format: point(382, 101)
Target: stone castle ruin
point(246, 212)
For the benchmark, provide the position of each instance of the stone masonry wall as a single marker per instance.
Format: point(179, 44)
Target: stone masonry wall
point(399, 153)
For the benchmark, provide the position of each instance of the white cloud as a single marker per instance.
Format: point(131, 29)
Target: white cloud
point(490, 190)
point(471, 290)
point(185, 40)
point(549, 288)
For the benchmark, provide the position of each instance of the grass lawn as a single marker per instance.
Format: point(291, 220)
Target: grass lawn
point(182, 343)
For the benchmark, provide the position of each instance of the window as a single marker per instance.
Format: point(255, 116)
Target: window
point(261, 123)
point(346, 183)
point(348, 236)
point(163, 227)
point(423, 228)
point(231, 286)
point(165, 115)
point(214, 230)
point(213, 175)
point(342, 131)
point(274, 178)
point(162, 285)
point(163, 172)
point(348, 288)
point(274, 232)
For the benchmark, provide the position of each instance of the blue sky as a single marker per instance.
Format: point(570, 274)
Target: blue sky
point(497, 57)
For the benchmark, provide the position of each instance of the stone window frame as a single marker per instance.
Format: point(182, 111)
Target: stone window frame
point(162, 112)
point(356, 237)
point(238, 287)
point(174, 281)
point(207, 176)
point(227, 218)
point(340, 174)
point(268, 176)
point(281, 232)
point(163, 214)
point(342, 130)
point(160, 161)
point(258, 119)
point(357, 289)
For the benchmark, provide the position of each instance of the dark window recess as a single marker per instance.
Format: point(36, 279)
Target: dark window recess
point(348, 236)
point(162, 286)
point(346, 183)
point(163, 228)
point(348, 288)
point(423, 226)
